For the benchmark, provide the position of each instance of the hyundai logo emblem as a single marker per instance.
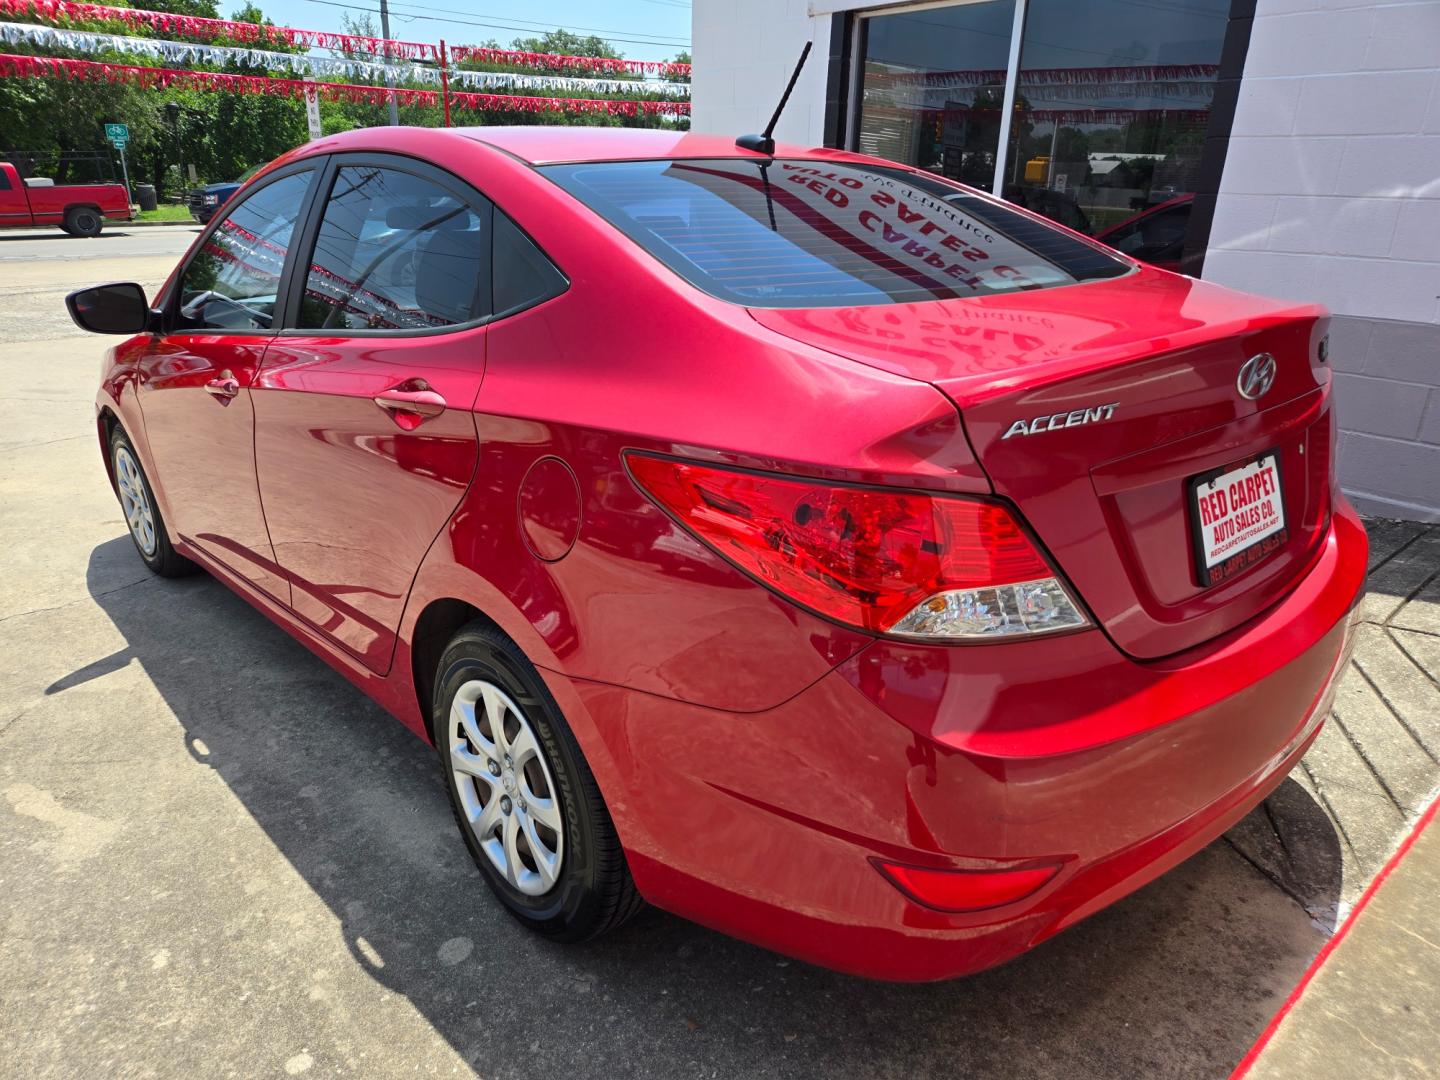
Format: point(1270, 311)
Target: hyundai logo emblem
point(1256, 376)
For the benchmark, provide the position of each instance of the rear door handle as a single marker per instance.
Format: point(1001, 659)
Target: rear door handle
point(224, 388)
point(402, 405)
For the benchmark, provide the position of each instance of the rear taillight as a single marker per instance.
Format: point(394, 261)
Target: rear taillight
point(893, 562)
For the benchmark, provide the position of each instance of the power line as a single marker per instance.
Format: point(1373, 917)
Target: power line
point(665, 44)
point(532, 22)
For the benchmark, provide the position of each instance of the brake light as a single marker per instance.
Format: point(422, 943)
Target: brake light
point(895, 562)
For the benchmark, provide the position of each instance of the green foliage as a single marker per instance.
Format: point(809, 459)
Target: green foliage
point(223, 134)
point(568, 44)
point(61, 121)
point(250, 13)
point(682, 57)
point(204, 9)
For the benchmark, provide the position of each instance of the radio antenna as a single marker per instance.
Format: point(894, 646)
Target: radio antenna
point(764, 144)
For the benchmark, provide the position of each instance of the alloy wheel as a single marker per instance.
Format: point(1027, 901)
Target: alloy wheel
point(135, 501)
point(505, 787)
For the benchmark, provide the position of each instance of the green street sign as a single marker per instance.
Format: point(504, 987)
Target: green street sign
point(117, 133)
point(119, 143)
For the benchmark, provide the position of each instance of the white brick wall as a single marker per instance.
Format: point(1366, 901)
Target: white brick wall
point(1331, 192)
point(744, 52)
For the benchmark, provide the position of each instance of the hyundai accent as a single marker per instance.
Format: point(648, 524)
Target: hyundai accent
point(809, 546)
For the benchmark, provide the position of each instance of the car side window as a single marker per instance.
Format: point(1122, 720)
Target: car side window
point(523, 276)
point(4, 182)
point(233, 280)
point(1154, 236)
point(396, 251)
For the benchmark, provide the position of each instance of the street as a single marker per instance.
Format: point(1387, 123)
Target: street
point(217, 858)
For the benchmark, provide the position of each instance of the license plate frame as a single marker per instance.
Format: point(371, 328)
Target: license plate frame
point(1264, 544)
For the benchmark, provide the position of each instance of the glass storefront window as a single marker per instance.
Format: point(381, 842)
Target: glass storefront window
point(932, 86)
point(1111, 107)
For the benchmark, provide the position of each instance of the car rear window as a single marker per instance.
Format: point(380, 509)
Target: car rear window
point(795, 233)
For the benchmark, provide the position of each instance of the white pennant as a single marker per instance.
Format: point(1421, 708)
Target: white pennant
point(185, 52)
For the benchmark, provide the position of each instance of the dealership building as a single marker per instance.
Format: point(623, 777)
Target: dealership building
point(1286, 147)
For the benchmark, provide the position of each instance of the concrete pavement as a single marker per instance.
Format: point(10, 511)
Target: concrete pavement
point(1371, 1005)
point(217, 858)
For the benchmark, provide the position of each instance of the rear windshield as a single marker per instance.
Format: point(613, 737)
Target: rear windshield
point(815, 234)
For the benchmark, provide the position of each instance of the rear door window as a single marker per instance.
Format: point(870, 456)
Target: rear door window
point(1155, 236)
point(396, 251)
point(523, 275)
point(814, 234)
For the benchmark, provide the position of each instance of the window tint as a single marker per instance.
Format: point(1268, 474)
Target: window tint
point(4, 181)
point(808, 234)
point(395, 252)
point(523, 275)
point(231, 282)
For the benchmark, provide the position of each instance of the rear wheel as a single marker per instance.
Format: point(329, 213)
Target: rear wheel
point(82, 221)
point(523, 796)
point(142, 516)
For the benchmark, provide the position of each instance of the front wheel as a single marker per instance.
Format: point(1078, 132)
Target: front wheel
point(82, 221)
point(142, 516)
point(523, 796)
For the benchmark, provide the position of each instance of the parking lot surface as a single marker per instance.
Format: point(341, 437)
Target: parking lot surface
point(217, 858)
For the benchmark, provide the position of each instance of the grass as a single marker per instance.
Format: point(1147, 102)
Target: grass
point(165, 212)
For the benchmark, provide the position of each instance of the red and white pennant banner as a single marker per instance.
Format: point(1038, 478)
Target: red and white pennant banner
point(54, 67)
point(183, 53)
point(566, 64)
point(1071, 76)
point(196, 28)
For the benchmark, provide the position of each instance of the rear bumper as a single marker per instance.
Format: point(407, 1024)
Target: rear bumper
point(763, 825)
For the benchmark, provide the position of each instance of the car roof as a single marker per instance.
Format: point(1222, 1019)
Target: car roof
point(540, 145)
point(550, 145)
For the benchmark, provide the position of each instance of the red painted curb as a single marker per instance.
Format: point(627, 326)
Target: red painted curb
point(1248, 1061)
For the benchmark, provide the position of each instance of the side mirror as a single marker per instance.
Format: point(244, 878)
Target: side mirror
point(119, 308)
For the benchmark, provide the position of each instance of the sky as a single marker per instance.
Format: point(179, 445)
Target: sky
point(640, 29)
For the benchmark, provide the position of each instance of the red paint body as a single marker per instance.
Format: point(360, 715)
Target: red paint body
point(755, 757)
point(22, 206)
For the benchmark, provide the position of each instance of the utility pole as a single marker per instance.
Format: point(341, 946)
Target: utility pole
point(389, 79)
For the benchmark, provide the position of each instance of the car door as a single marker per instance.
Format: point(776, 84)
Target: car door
point(195, 379)
point(364, 439)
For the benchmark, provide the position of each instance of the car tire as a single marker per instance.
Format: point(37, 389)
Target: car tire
point(496, 783)
point(142, 513)
point(82, 221)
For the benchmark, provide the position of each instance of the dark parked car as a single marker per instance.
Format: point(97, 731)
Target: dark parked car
point(204, 201)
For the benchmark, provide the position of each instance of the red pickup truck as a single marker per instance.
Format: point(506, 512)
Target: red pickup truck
point(76, 208)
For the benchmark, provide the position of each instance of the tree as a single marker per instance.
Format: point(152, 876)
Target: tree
point(204, 9)
point(565, 43)
point(362, 26)
point(682, 57)
point(251, 13)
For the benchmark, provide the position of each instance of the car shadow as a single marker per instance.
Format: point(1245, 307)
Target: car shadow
point(1175, 981)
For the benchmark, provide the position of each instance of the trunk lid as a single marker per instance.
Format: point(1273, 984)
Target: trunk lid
point(1093, 407)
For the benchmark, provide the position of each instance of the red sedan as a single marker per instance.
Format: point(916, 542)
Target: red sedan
point(830, 554)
